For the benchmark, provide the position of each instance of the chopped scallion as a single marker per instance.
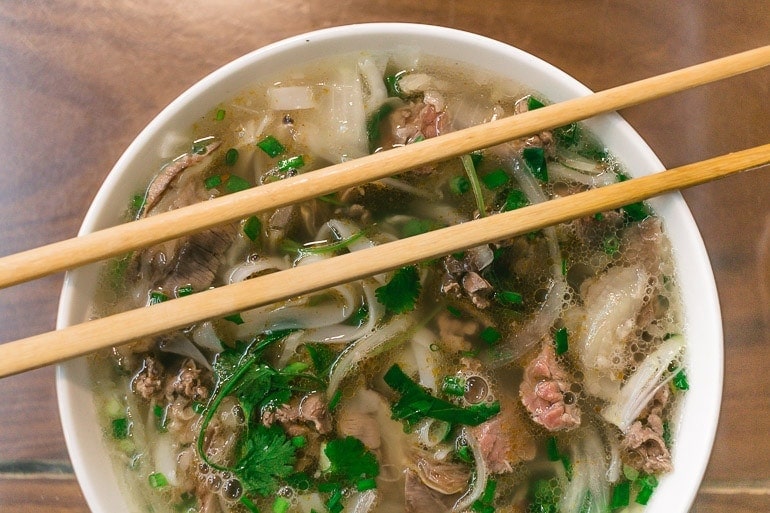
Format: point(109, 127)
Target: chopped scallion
point(271, 146)
point(231, 157)
point(509, 297)
point(235, 318)
point(535, 159)
point(220, 115)
point(459, 185)
point(299, 441)
point(157, 480)
point(533, 103)
point(366, 484)
point(514, 200)
point(561, 341)
point(213, 181)
point(157, 297)
point(495, 179)
point(281, 505)
point(120, 428)
point(453, 385)
point(184, 290)
point(252, 227)
point(295, 162)
point(552, 449)
point(236, 184)
point(490, 335)
point(680, 381)
point(621, 495)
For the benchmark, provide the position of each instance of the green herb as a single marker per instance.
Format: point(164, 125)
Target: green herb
point(231, 157)
point(199, 147)
point(295, 162)
point(417, 226)
point(157, 480)
point(552, 449)
point(484, 503)
point(212, 181)
point(137, 204)
point(477, 157)
point(647, 485)
point(495, 179)
point(391, 83)
point(373, 124)
point(454, 311)
point(321, 356)
point(508, 297)
point(281, 505)
point(266, 457)
point(120, 428)
point(335, 400)
point(567, 135)
point(535, 160)
point(567, 462)
point(220, 115)
point(667, 438)
point(334, 504)
point(544, 496)
point(564, 267)
point(417, 403)
point(453, 385)
point(350, 461)
point(236, 184)
point(322, 249)
point(271, 146)
point(680, 381)
point(248, 504)
point(198, 407)
point(514, 200)
point(366, 484)
point(157, 297)
point(234, 318)
point(400, 294)
point(561, 341)
point(459, 185)
point(470, 171)
point(299, 441)
point(490, 335)
point(252, 227)
point(634, 211)
point(533, 103)
point(621, 495)
point(161, 419)
point(465, 454)
point(184, 290)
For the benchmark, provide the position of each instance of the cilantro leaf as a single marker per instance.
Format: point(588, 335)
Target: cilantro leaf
point(350, 461)
point(267, 457)
point(400, 293)
point(417, 403)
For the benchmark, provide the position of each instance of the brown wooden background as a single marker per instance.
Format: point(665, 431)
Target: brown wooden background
point(80, 78)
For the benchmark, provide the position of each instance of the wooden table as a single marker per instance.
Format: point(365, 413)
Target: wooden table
point(79, 79)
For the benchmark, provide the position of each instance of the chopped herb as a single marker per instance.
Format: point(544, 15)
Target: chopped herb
point(564, 267)
point(220, 115)
point(598, 216)
point(477, 157)
point(535, 160)
point(213, 181)
point(508, 297)
point(680, 381)
point(159, 412)
point(647, 485)
point(321, 356)
point(552, 449)
point(454, 311)
point(120, 428)
point(490, 335)
point(391, 83)
point(400, 294)
point(299, 441)
point(199, 147)
point(667, 439)
point(470, 171)
point(366, 484)
point(266, 457)
point(231, 157)
point(184, 290)
point(417, 403)
point(281, 505)
point(137, 204)
point(514, 200)
point(561, 341)
point(335, 400)
point(495, 179)
point(453, 385)
point(295, 162)
point(157, 297)
point(373, 124)
point(359, 316)
point(484, 503)
point(417, 226)
point(465, 454)
point(271, 146)
point(252, 228)
point(567, 462)
point(248, 504)
point(533, 103)
point(634, 211)
point(235, 318)
point(621, 495)
point(334, 504)
point(459, 185)
point(567, 135)
point(350, 461)
point(544, 496)
point(434, 347)
point(157, 480)
point(236, 184)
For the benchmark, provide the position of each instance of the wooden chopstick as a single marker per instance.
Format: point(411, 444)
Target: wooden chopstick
point(80, 339)
point(118, 240)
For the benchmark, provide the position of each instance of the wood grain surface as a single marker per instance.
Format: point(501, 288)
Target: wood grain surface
point(79, 79)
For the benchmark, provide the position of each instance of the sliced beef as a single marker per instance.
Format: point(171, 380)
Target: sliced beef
point(643, 443)
point(421, 499)
point(149, 380)
point(187, 383)
point(545, 392)
point(445, 477)
point(298, 416)
point(463, 276)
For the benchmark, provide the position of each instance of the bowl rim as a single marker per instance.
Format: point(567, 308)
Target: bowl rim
point(676, 492)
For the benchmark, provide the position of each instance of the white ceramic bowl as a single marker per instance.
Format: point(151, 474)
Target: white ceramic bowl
point(700, 411)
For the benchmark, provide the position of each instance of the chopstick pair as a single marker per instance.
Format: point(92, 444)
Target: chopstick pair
point(77, 340)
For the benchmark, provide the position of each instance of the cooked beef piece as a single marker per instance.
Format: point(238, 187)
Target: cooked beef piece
point(447, 478)
point(643, 444)
point(463, 276)
point(545, 392)
point(148, 382)
point(187, 383)
point(421, 499)
point(297, 417)
point(505, 439)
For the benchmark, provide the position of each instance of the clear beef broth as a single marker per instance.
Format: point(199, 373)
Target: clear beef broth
point(539, 373)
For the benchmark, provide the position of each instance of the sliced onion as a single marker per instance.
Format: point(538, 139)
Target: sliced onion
point(206, 337)
point(181, 345)
point(478, 485)
point(557, 171)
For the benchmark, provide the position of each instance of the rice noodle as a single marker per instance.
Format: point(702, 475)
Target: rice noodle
point(557, 171)
point(479, 483)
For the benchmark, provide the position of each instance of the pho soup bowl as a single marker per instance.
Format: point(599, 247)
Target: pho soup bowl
point(103, 475)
